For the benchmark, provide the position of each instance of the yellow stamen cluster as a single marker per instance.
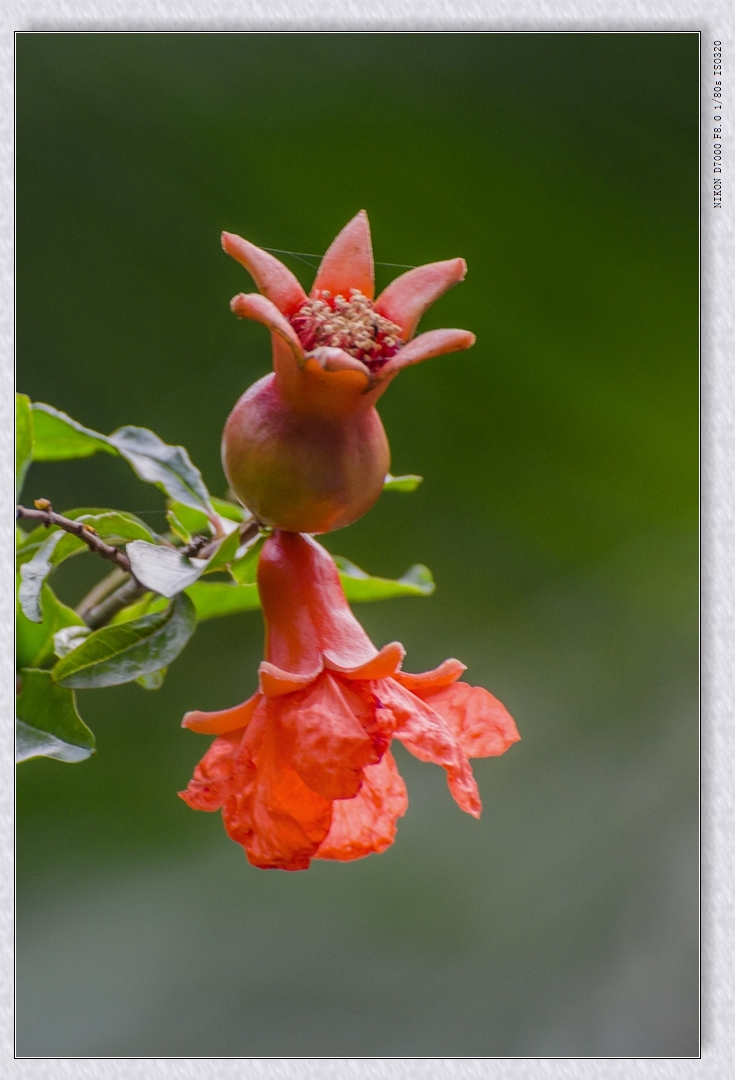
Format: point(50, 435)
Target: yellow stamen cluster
point(353, 325)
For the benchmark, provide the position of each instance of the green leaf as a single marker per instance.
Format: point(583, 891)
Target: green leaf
point(177, 527)
point(360, 587)
point(214, 599)
point(245, 569)
point(34, 641)
point(420, 578)
point(194, 521)
point(116, 525)
point(59, 438)
point(122, 653)
point(218, 598)
point(78, 511)
point(68, 545)
point(169, 467)
point(59, 546)
point(154, 681)
point(23, 439)
point(409, 482)
point(163, 569)
point(22, 537)
point(27, 544)
point(47, 722)
point(225, 553)
point(233, 511)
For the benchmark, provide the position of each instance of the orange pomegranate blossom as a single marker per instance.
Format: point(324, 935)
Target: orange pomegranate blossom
point(303, 769)
point(304, 448)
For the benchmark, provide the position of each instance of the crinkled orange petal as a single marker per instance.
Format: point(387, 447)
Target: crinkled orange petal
point(348, 263)
point(272, 278)
point(213, 780)
point(262, 310)
point(447, 672)
point(217, 723)
point(406, 299)
point(425, 346)
point(426, 735)
point(483, 726)
point(367, 824)
point(278, 820)
point(386, 663)
point(323, 736)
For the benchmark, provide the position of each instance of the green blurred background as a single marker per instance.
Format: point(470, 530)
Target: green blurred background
point(559, 515)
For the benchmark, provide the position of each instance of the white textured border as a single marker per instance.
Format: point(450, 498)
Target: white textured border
point(297, 15)
point(718, 453)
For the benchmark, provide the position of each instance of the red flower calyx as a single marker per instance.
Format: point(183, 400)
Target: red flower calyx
point(303, 768)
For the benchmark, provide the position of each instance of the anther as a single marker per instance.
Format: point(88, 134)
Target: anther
point(352, 325)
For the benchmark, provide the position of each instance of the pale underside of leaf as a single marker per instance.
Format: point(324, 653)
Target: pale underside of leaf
point(47, 721)
point(27, 544)
point(161, 569)
point(166, 571)
point(69, 638)
point(32, 743)
point(33, 575)
point(34, 641)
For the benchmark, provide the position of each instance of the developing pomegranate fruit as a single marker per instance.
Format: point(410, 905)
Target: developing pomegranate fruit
point(304, 448)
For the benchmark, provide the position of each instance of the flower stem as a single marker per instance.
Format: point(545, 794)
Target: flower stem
point(101, 590)
point(101, 614)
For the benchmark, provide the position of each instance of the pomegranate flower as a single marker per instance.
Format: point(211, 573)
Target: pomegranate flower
point(303, 768)
point(304, 447)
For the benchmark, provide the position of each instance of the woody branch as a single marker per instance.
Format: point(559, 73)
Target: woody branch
point(43, 513)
